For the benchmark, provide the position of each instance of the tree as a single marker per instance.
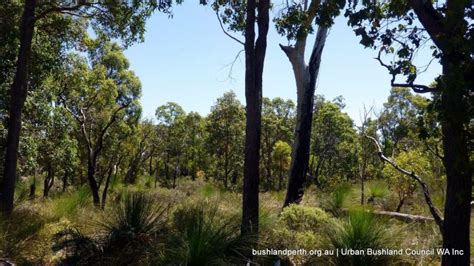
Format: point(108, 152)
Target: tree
point(405, 186)
point(125, 21)
point(98, 92)
point(281, 160)
point(334, 143)
point(242, 17)
point(277, 124)
point(225, 137)
point(171, 118)
point(394, 28)
point(296, 24)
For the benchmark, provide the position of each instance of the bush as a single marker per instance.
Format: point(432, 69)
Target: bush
point(202, 236)
point(128, 232)
point(338, 197)
point(67, 205)
point(299, 227)
point(361, 230)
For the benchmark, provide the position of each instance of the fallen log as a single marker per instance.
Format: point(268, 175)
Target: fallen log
point(405, 217)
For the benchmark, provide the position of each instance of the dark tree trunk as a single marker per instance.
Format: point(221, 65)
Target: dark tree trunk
point(106, 187)
point(254, 62)
point(91, 169)
point(33, 186)
point(48, 181)
point(306, 77)
point(400, 204)
point(65, 177)
point(457, 211)
point(18, 93)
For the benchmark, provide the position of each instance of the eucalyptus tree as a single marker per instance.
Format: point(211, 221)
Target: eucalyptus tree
point(277, 125)
point(251, 18)
point(195, 152)
point(334, 143)
point(123, 19)
point(170, 118)
point(398, 29)
point(225, 137)
point(296, 23)
point(98, 92)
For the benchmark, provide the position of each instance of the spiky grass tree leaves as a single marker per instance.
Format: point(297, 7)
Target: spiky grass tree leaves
point(205, 236)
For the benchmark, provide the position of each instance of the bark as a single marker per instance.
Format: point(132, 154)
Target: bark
point(18, 93)
point(48, 181)
point(457, 211)
point(106, 186)
point(306, 77)
point(400, 204)
point(65, 177)
point(447, 32)
point(254, 62)
point(91, 170)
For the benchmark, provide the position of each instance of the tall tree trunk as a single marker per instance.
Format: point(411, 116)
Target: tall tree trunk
point(18, 93)
point(305, 76)
point(254, 62)
point(457, 211)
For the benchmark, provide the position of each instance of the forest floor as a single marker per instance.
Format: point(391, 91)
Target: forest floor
point(29, 240)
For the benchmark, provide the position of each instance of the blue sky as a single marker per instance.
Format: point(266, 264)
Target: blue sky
point(186, 59)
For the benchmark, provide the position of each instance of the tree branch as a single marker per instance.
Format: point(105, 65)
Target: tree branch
point(225, 32)
point(418, 88)
point(434, 212)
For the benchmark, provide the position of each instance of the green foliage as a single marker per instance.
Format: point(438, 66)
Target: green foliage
point(128, 232)
point(338, 197)
point(361, 230)
point(225, 126)
point(300, 227)
point(377, 191)
point(69, 204)
point(334, 153)
point(204, 237)
point(19, 232)
point(413, 161)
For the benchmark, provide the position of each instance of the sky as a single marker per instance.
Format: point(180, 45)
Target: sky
point(186, 59)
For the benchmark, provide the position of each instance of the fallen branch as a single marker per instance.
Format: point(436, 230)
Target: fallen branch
point(405, 217)
point(434, 212)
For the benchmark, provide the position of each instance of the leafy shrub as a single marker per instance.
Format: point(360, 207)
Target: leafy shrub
point(361, 230)
point(299, 227)
point(202, 236)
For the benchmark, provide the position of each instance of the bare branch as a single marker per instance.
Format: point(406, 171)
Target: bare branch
point(434, 212)
point(225, 32)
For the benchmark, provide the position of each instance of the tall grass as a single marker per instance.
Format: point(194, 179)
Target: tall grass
point(67, 205)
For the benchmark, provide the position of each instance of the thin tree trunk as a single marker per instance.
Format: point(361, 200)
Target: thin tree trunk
point(106, 187)
point(400, 204)
point(91, 169)
point(305, 77)
point(18, 93)
point(65, 177)
point(254, 62)
point(48, 181)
